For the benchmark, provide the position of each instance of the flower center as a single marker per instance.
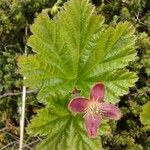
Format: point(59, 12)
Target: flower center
point(94, 108)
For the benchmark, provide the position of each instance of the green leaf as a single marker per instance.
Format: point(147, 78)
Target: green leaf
point(104, 129)
point(1, 87)
point(76, 49)
point(144, 116)
point(63, 131)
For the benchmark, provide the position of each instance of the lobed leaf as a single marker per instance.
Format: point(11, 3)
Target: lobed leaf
point(63, 131)
point(76, 49)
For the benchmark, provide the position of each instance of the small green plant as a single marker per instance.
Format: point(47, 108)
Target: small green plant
point(144, 116)
point(73, 51)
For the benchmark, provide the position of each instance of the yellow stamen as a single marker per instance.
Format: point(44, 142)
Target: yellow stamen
point(94, 108)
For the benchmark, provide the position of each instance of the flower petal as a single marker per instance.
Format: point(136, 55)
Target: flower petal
point(111, 111)
point(78, 104)
point(98, 92)
point(92, 123)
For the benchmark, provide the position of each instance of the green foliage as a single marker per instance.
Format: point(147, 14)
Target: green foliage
point(13, 17)
point(128, 133)
point(144, 116)
point(76, 49)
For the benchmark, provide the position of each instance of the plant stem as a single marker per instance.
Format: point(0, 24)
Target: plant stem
point(18, 93)
point(22, 119)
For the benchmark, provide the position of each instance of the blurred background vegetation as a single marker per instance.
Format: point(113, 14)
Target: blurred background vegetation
point(16, 16)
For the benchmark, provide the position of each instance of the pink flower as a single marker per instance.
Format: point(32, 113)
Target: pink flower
point(95, 109)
